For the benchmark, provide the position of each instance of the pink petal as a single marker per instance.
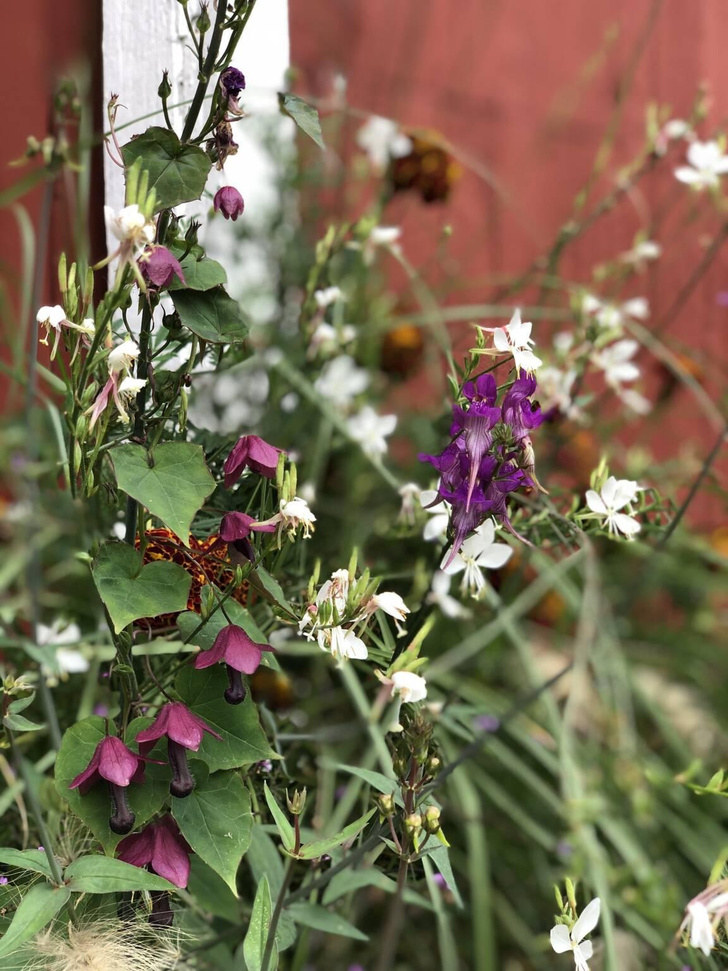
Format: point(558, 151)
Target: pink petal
point(171, 853)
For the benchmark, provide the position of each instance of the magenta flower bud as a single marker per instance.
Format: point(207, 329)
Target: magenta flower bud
point(251, 452)
point(113, 762)
point(239, 653)
point(159, 267)
point(229, 202)
point(161, 848)
point(235, 529)
point(184, 730)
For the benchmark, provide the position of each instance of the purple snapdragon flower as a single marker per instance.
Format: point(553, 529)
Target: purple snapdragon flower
point(239, 653)
point(118, 766)
point(184, 730)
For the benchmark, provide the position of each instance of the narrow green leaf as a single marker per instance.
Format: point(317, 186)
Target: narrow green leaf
point(269, 587)
point(243, 740)
point(321, 919)
point(131, 590)
point(304, 115)
point(216, 821)
point(211, 314)
point(19, 723)
point(281, 820)
point(319, 847)
point(37, 908)
point(257, 935)
point(34, 860)
point(177, 172)
point(172, 481)
point(211, 891)
point(102, 874)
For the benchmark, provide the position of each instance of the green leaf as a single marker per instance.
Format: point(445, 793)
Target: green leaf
point(19, 723)
point(349, 881)
point(281, 820)
point(269, 587)
point(34, 860)
point(377, 780)
point(304, 115)
point(211, 892)
point(257, 935)
point(94, 808)
point(101, 874)
point(37, 908)
point(211, 314)
point(178, 172)
point(201, 274)
point(20, 704)
point(441, 858)
point(188, 623)
point(319, 847)
point(130, 590)
point(216, 821)
point(321, 919)
point(172, 488)
point(243, 740)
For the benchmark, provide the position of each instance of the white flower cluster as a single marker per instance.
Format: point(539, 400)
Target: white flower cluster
point(339, 607)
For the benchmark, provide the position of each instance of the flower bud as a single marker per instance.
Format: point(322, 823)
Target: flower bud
point(165, 88)
point(431, 822)
point(386, 805)
point(229, 202)
point(413, 824)
point(297, 802)
point(203, 21)
point(433, 765)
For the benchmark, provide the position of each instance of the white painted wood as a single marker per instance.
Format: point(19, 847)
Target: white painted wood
point(142, 38)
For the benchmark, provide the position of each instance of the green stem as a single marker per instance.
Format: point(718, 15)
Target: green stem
point(390, 937)
point(37, 813)
point(205, 73)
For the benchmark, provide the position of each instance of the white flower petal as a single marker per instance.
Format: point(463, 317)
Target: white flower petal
point(500, 340)
point(595, 502)
point(560, 940)
point(626, 524)
point(495, 556)
point(588, 920)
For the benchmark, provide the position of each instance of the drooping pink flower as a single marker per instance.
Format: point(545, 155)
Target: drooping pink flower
point(235, 530)
point(162, 848)
point(251, 452)
point(184, 730)
point(239, 653)
point(159, 267)
point(229, 202)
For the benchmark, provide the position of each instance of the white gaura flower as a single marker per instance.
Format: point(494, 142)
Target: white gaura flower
point(515, 339)
point(324, 298)
point(616, 362)
point(409, 492)
point(478, 552)
point(409, 686)
point(702, 916)
point(436, 526)
point(615, 495)
point(88, 327)
point(67, 659)
point(51, 318)
point(390, 604)
point(706, 164)
point(610, 316)
point(341, 381)
point(563, 940)
point(294, 513)
point(385, 237)
point(122, 356)
point(382, 139)
point(126, 392)
point(555, 389)
point(642, 252)
point(635, 401)
point(341, 643)
point(370, 430)
point(439, 596)
point(326, 339)
point(130, 226)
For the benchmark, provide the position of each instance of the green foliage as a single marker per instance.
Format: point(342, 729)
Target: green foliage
point(258, 928)
point(33, 860)
point(321, 919)
point(317, 848)
point(131, 589)
point(304, 115)
point(243, 740)
point(38, 907)
point(216, 821)
point(172, 481)
point(177, 172)
point(211, 314)
point(98, 874)
point(199, 274)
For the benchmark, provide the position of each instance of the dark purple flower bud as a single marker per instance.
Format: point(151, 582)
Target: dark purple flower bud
point(160, 847)
point(232, 82)
point(184, 730)
point(229, 202)
point(159, 267)
point(113, 762)
point(239, 653)
point(251, 452)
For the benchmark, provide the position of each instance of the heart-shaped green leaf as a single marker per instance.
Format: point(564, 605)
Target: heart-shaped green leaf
point(172, 481)
point(177, 172)
point(243, 740)
point(131, 590)
point(201, 274)
point(216, 821)
point(211, 314)
point(94, 808)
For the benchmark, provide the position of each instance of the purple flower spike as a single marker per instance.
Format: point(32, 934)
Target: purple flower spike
point(184, 730)
point(239, 653)
point(251, 452)
point(159, 267)
point(229, 202)
point(161, 847)
point(118, 766)
point(477, 424)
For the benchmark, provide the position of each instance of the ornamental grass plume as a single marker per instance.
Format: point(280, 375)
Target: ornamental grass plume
point(106, 945)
